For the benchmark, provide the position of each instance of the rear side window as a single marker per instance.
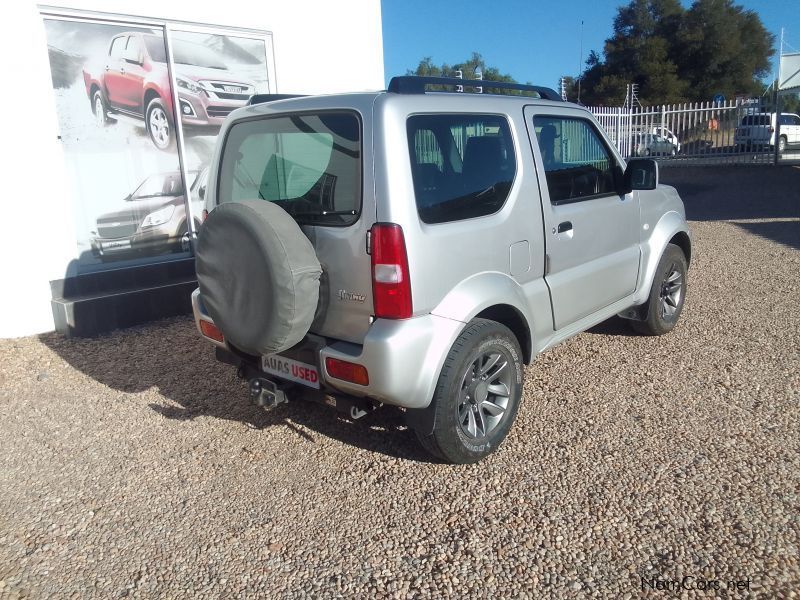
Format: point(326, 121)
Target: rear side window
point(462, 165)
point(118, 46)
point(309, 164)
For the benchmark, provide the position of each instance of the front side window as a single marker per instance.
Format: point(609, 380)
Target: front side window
point(309, 164)
point(462, 165)
point(577, 163)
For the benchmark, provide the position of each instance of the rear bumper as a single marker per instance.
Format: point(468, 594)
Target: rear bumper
point(403, 358)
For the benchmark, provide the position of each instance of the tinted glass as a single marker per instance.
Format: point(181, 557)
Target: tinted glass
point(577, 163)
point(756, 120)
point(309, 164)
point(462, 165)
point(155, 48)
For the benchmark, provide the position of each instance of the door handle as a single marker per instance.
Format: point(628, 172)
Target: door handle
point(565, 226)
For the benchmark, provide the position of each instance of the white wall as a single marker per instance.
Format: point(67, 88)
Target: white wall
point(320, 46)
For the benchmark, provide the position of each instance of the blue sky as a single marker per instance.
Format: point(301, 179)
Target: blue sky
point(531, 40)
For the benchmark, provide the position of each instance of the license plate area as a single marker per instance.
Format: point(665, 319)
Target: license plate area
point(116, 245)
point(290, 369)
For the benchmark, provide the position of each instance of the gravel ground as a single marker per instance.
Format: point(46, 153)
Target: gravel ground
point(133, 465)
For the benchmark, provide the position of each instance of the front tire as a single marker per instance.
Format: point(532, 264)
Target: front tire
point(667, 294)
point(159, 125)
point(477, 395)
point(781, 145)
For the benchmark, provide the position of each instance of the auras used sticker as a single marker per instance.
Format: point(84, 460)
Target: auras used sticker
point(292, 370)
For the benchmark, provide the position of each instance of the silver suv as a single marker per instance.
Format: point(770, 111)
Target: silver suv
point(417, 248)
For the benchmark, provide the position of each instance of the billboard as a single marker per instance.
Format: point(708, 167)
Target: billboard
point(113, 83)
point(790, 72)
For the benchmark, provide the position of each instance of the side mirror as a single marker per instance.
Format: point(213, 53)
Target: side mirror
point(640, 174)
point(201, 191)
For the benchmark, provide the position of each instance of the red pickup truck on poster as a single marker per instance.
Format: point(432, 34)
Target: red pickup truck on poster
point(133, 79)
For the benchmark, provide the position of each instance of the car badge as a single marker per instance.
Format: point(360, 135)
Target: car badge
point(353, 297)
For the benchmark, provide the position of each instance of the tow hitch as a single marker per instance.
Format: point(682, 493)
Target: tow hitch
point(266, 393)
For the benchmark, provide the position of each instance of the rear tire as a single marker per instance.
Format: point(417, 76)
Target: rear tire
point(100, 109)
point(667, 294)
point(477, 395)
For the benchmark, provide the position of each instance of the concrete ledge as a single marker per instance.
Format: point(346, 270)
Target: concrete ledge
point(95, 303)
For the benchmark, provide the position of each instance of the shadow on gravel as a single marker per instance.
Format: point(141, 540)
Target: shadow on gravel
point(786, 232)
point(169, 356)
point(615, 326)
point(737, 192)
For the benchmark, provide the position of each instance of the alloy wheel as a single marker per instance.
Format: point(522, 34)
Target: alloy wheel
point(485, 394)
point(99, 110)
point(671, 292)
point(159, 127)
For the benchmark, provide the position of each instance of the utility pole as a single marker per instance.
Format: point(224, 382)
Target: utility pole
point(580, 65)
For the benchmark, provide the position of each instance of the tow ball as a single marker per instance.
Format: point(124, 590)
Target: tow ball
point(265, 393)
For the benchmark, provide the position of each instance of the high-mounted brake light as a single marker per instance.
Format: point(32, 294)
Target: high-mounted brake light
point(391, 286)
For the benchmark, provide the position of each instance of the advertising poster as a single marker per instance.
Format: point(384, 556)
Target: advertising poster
point(118, 128)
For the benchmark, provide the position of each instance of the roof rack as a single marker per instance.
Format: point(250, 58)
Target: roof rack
point(262, 98)
point(412, 84)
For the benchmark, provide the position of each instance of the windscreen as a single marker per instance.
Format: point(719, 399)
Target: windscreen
point(309, 164)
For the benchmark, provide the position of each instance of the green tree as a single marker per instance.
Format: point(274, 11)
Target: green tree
point(469, 68)
point(676, 55)
point(723, 49)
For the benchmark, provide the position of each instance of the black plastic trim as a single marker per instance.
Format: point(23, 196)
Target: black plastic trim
point(412, 84)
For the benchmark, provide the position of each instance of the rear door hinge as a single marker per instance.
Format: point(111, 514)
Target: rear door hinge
point(546, 264)
point(369, 241)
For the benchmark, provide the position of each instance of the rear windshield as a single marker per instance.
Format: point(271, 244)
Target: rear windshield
point(309, 164)
point(756, 120)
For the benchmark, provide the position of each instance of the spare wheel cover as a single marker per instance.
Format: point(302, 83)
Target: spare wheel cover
point(258, 276)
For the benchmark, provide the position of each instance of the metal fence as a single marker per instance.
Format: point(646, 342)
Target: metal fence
point(698, 133)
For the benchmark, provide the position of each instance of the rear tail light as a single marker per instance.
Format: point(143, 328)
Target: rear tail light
point(391, 286)
point(347, 371)
point(211, 331)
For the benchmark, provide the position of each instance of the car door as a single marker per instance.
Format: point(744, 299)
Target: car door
point(113, 76)
point(794, 130)
point(591, 230)
point(132, 70)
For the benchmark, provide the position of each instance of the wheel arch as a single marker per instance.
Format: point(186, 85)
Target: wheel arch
point(670, 229)
point(477, 297)
point(151, 94)
point(682, 240)
point(510, 317)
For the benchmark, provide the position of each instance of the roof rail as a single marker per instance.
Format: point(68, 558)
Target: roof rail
point(262, 98)
point(412, 84)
